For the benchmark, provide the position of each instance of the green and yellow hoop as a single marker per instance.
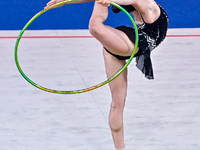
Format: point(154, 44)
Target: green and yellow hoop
point(82, 90)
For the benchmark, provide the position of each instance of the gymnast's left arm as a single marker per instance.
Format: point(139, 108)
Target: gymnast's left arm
point(52, 2)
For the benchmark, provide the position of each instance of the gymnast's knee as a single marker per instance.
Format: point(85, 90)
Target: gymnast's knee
point(116, 116)
point(94, 27)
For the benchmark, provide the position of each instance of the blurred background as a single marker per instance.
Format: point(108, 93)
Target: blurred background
point(15, 14)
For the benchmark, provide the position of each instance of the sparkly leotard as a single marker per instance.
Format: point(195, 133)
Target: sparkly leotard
point(150, 36)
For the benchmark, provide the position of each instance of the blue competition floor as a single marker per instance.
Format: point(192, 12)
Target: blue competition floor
point(161, 114)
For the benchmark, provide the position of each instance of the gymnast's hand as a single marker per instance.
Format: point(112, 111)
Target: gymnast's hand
point(52, 2)
point(104, 2)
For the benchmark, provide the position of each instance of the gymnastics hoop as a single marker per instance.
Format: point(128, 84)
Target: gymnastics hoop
point(82, 90)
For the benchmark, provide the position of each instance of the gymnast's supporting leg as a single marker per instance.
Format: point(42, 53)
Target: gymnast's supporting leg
point(118, 43)
point(118, 89)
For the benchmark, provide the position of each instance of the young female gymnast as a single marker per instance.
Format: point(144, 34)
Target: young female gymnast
point(118, 45)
